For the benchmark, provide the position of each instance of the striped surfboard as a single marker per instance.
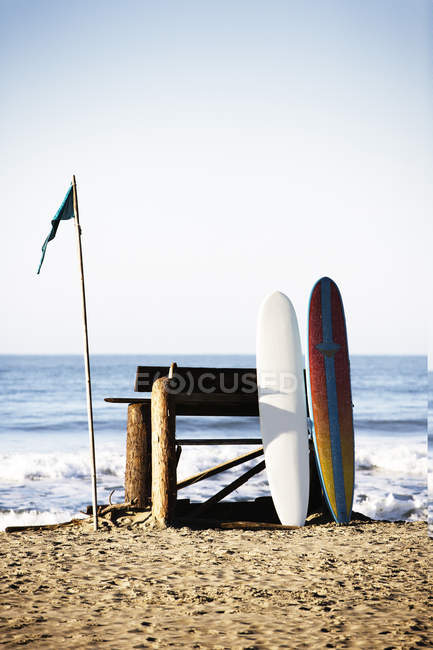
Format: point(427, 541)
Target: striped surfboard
point(331, 398)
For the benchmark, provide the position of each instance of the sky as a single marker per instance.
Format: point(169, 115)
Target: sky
point(223, 150)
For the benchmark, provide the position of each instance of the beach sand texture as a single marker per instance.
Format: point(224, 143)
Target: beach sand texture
point(365, 585)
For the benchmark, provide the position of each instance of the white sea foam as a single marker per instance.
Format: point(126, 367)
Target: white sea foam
point(403, 457)
point(35, 517)
point(34, 466)
point(392, 506)
point(389, 477)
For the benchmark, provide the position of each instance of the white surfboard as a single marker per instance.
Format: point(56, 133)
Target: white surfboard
point(282, 406)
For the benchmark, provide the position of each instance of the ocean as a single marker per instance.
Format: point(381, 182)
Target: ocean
point(44, 448)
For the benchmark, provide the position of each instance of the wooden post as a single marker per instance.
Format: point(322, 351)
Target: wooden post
point(138, 471)
point(164, 490)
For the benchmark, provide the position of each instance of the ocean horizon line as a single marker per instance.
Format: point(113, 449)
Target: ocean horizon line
point(189, 354)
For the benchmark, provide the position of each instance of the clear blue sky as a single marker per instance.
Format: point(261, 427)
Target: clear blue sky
point(222, 150)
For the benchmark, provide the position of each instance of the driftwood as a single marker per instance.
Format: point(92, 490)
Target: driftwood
point(113, 511)
point(117, 507)
point(21, 529)
point(104, 508)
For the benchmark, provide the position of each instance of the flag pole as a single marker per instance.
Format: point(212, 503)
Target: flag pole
point(86, 359)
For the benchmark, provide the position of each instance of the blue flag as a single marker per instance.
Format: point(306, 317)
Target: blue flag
point(66, 211)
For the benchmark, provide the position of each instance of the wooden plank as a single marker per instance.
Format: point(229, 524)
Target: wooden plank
point(254, 525)
point(218, 441)
point(228, 489)
point(127, 400)
point(216, 405)
point(222, 467)
point(207, 381)
point(204, 405)
point(232, 525)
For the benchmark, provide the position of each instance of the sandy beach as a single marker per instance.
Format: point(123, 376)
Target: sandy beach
point(365, 585)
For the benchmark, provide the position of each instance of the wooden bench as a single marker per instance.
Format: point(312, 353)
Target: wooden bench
point(202, 391)
point(152, 450)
